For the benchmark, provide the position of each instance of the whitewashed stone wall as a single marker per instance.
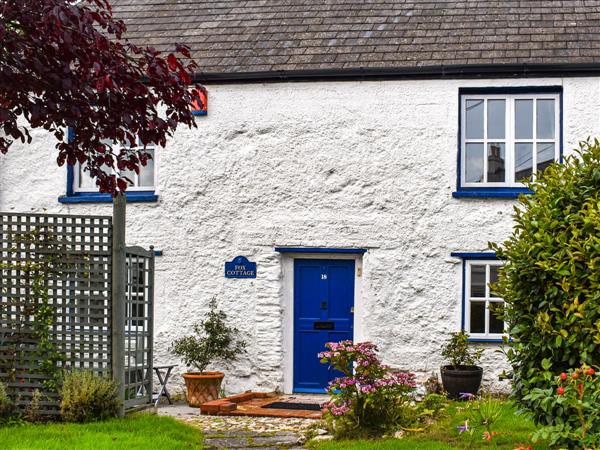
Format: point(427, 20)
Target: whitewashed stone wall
point(352, 164)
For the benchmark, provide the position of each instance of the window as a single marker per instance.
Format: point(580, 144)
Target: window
point(144, 181)
point(81, 187)
point(507, 138)
point(482, 307)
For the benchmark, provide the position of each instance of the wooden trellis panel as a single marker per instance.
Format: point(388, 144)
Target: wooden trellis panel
point(139, 320)
point(63, 262)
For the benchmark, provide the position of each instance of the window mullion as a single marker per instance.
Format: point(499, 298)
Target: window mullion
point(534, 146)
point(485, 140)
point(510, 141)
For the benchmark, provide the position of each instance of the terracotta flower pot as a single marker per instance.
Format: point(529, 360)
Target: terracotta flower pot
point(202, 387)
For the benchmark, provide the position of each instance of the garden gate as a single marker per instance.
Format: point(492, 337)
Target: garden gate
point(72, 296)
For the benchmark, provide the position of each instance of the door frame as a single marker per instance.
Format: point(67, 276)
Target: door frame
point(287, 265)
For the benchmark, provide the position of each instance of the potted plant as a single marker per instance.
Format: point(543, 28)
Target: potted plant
point(462, 375)
point(213, 340)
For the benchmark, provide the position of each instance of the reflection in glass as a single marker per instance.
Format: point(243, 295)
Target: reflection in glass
point(496, 314)
point(496, 158)
point(474, 119)
point(523, 161)
point(474, 163)
point(477, 281)
point(496, 119)
point(545, 155)
point(524, 119)
point(545, 119)
point(493, 278)
point(147, 171)
point(477, 324)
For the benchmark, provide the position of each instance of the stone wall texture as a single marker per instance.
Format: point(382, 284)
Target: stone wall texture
point(347, 164)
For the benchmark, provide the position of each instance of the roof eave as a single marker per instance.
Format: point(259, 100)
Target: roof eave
point(397, 73)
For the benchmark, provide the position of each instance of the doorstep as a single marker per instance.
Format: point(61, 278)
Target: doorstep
point(252, 404)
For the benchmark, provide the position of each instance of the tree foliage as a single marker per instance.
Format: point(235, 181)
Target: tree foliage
point(66, 63)
point(551, 279)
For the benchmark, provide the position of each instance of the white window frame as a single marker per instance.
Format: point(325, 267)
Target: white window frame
point(509, 138)
point(135, 188)
point(487, 299)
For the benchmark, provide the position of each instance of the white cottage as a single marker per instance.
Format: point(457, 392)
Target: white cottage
point(362, 154)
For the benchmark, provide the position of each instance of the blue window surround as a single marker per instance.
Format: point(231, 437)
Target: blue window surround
point(358, 251)
point(97, 197)
point(475, 192)
point(465, 256)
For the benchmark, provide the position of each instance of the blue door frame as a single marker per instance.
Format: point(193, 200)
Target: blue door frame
point(323, 312)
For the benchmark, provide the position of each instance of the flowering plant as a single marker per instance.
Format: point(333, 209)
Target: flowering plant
point(482, 415)
point(368, 398)
point(577, 394)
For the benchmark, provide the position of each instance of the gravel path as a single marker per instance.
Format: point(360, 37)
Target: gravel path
point(239, 432)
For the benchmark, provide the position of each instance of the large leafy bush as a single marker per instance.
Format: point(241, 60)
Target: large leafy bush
point(551, 279)
point(86, 397)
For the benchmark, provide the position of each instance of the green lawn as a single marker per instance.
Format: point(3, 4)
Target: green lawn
point(513, 431)
point(141, 431)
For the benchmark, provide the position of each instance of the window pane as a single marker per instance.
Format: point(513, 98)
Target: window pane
point(496, 317)
point(474, 119)
point(477, 320)
point(474, 163)
point(524, 119)
point(523, 161)
point(477, 281)
point(130, 175)
point(147, 171)
point(493, 278)
point(496, 119)
point(85, 180)
point(545, 156)
point(496, 158)
point(545, 119)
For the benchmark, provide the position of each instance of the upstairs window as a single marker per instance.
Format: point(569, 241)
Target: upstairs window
point(144, 181)
point(507, 139)
point(81, 187)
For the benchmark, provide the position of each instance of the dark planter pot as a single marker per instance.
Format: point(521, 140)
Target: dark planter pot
point(462, 379)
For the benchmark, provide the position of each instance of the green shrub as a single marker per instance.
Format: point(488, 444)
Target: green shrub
point(578, 394)
point(86, 397)
point(6, 404)
point(213, 340)
point(33, 411)
point(459, 353)
point(551, 279)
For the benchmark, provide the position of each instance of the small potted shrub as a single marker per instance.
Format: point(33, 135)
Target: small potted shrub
point(462, 375)
point(213, 340)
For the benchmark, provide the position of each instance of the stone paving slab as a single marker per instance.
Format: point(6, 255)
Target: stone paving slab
point(279, 440)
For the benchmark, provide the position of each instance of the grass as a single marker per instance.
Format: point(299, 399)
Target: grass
point(513, 431)
point(140, 431)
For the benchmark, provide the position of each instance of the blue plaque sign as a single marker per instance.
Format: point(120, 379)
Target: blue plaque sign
point(240, 267)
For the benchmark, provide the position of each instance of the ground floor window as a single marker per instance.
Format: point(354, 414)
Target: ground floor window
point(483, 308)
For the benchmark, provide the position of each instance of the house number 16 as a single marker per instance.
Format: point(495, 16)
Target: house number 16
point(323, 276)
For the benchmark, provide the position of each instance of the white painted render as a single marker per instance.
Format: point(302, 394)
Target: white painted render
point(322, 164)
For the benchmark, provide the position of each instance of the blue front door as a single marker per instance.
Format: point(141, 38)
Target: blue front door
point(323, 312)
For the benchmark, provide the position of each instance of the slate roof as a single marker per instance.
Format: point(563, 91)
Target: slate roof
point(238, 36)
